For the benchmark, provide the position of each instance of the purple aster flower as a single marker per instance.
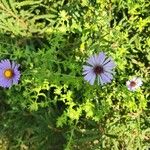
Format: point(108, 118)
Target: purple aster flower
point(134, 83)
point(100, 68)
point(9, 73)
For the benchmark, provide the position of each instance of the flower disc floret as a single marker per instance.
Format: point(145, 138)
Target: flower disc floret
point(98, 70)
point(8, 73)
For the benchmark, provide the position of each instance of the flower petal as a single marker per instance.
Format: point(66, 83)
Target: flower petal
point(90, 77)
point(105, 78)
point(5, 64)
point(109, 65)
point(87, 69)
point(100, 79)
point(109, 75)
point(139, 81)
point(91, 60)
point(101, 57)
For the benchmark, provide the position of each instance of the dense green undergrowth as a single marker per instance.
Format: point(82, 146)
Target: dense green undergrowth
point(52, 107)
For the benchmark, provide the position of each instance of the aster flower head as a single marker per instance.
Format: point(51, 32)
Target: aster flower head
point(9, 73)
point(134, 83)
point(100, 67)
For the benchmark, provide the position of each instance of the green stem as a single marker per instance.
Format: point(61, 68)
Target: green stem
point(71, 137)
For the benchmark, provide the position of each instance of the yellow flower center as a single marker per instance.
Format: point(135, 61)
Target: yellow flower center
point(8, 73)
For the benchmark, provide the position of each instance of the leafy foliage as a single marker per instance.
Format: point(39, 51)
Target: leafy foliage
point(52, 107)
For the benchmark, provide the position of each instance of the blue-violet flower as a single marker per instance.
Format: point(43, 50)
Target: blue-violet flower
point(9, 73)
point(100, 67)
